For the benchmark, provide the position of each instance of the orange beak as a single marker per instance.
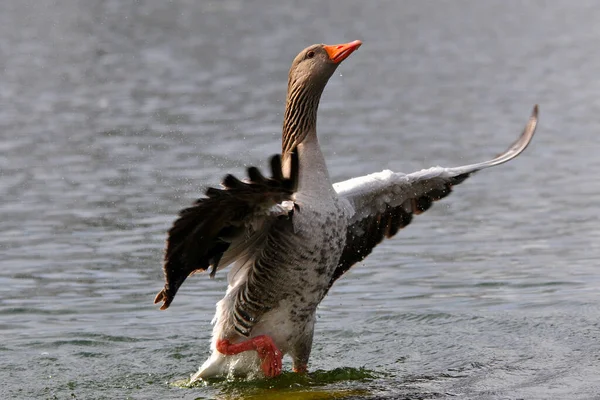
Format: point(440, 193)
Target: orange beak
point(339, 52)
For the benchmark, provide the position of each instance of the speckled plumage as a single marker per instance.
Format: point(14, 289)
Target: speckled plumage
point(288, 238)
point(291, 276)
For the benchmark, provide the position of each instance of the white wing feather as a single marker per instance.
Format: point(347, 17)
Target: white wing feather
point(370, 195)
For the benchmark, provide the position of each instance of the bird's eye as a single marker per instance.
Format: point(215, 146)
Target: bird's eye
point(310, 54)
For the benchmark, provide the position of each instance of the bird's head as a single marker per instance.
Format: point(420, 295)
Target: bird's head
point(314, 65)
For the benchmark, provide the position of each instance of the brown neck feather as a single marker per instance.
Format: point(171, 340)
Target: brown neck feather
point(300, 119)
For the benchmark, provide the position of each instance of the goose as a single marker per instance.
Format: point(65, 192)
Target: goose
point(290, 236)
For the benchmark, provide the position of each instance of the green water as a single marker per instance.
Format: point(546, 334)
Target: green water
point(339, 383)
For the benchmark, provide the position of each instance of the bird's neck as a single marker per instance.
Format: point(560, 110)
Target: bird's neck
point(300, 134)
point(300, 118)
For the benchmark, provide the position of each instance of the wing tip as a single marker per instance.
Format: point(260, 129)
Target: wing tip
point(517, 147)
point(522, 143)
point(162, 296)
point(533, 119)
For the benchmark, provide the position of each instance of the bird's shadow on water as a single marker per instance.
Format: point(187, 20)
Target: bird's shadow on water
point(338, 383)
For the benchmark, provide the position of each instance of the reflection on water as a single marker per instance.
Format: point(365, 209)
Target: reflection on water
point(114, 115)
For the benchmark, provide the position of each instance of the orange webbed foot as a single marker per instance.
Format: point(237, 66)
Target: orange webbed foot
point(270, 356)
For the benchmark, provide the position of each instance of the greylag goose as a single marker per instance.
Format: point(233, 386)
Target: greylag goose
point(291, 236)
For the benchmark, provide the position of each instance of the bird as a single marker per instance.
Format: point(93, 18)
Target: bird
point(290, 236)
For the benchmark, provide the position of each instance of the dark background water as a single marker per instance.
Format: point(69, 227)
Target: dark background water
point(116, 114)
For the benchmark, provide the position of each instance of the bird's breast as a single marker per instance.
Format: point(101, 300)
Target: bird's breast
point(320, 235)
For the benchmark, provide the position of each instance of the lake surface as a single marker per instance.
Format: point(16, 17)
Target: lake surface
point(116, 114)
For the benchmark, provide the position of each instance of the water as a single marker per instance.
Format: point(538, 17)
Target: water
point(114, 115)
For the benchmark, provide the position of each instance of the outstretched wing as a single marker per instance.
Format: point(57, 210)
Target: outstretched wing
point(204, 232)
point(385, 202)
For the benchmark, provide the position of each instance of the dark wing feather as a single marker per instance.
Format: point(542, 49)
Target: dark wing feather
point(202, 233)
point(363, 235)
point(385, 202)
